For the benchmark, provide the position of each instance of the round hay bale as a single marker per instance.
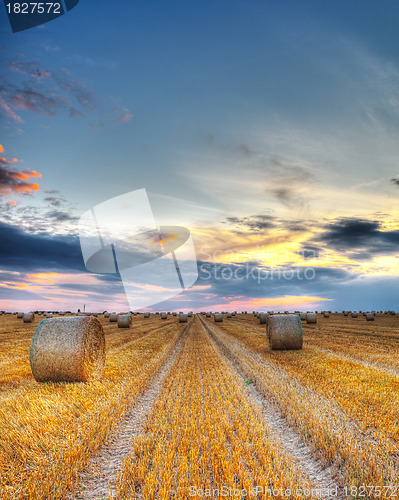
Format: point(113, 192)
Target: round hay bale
point(106, 315)
point(218, 317)
point(354, 315)
point(147, 315)
point(28, 317)
point(174, 313)
point(190, 314)
point(164, 316)
point(284, 332)
point(208, 315)
point(311, 318)
point(113, 318)
point(49, 315)
point(263, 318)
point(369, 316)
point(20, 315)
point(183, 318)
point(302, 316)
point(124, 320)
point(69, 349)
point(228, 315)
point(326, 314)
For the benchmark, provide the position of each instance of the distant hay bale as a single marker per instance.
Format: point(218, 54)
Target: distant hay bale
point(113, 318)
point(183, 318)
point(284, 332)
point(354, 315)
point(124, 320)
point(164, 316)
point(68, 349)
point(106, 315)
point(218, 317)
point(302, 316)
point(49, 315)
point(20, 315)
point(228, 315)
point(147, 315)
point(28, 317)
point(174, 313)
point(190, 314)
point(208, 314)
point(311, 318)
point(263, 318)
point(369, 316)
point(345, 313)
point(326, 314)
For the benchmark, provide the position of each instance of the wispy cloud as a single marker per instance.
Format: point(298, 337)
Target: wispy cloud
point(28, 87)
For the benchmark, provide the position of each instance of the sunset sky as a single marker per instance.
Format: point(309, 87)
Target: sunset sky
point(269, 129)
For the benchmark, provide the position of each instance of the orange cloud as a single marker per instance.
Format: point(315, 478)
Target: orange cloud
point(1, 149)
point(26, 188)
point(32, 173)
point(43, 277)
point(20, 176)
point(13, 285)
point(11, 203)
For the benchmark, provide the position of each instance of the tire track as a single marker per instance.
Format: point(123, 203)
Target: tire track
point(98, 479)
point(286, 435)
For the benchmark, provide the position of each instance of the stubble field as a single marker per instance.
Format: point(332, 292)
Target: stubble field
point(205, 410)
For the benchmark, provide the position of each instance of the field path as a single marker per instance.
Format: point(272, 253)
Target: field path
point(96, 481)
point(311, 467)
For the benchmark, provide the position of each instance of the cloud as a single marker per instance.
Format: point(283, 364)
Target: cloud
point(10, 113)
point(125, 118)
point(28, 87)
point(53, 201)
point(36, 101)
point(30, 69)
point(395, 181)
point(13, 181)
point(61, 216)
point(21, 250)
point(255, 222)
point(360, 238)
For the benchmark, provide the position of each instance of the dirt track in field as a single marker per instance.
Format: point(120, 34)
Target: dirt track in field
point(98, 479)
point(311, 467)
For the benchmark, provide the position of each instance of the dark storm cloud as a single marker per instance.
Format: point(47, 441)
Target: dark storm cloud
point(23, 251)
point(395, 181)
point(361, 238)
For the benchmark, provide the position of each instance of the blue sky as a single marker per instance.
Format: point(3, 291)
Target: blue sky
point(274, 125)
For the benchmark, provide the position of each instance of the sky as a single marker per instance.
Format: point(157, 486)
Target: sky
point(268, 129)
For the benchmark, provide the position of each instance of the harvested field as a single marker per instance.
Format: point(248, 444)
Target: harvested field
point(187, 408)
